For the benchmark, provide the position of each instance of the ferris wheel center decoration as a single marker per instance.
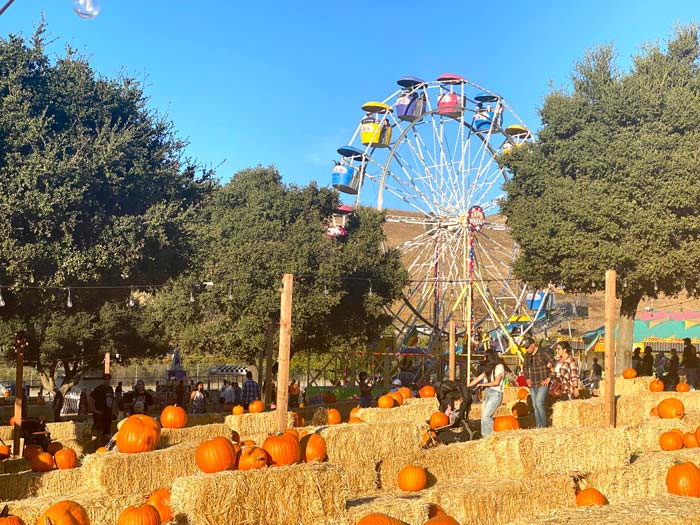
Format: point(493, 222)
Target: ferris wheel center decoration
point(427, 156)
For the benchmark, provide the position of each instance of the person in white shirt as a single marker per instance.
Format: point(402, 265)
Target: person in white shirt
point(493, 380)
point(229, 397)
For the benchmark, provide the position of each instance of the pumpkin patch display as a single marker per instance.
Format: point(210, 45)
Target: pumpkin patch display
point(283, 449)
point(412, 478)
point(427, 391)
point(313, 448)
point(671, 408)
point(6, 519)
point(173, 417)
point(138, 433)
point(66, 458)
point(252, 458)
point(656, 385)
point(141, 515)
point(629, 373)
point(256, 407)
point(65, 512)
point(590, 497)
point(502, 423)
point(671, 441)
point(160, 499)
point(683, 480)
point(216, 455)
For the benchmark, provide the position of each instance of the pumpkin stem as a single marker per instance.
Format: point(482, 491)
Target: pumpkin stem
point(5, 512)
point(48, 521)
point(577, 478)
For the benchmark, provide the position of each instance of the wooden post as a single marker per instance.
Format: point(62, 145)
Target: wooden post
point(610, 278)
point(20, 345)
point(285, 345)
point(107, 363)
point(453, 339)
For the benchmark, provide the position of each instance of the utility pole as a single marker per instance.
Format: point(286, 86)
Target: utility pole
point(284, 351)
point(610, 279)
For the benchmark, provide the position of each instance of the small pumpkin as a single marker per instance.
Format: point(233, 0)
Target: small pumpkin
point(520, 409)
point(427, 391)
point(238, 410)
point(398, 398)
point(354, 419)
point(64, 512)
point(139, 515)
point(435, 510)
point(6, 519)
point(444, 519)
point(252, 458)
point(42, 462)
point(283, 449)
point(656, 385)
point(256, 407)
point(405, 392)
point(354, 411)
point(385, 401)
point(379, 518)
point(439, 419)
point(590, 497)
point(629, 373)
point(654, 411)
point(173, 417)
point(4, 451)
point(671, 408)
point(502, 423)
point(683, 480)
point(412, 478)
point(333, 417)
point(313, 448)
point(522, 394)
point(138, 433)
point(101, 450)
point(215, 455)
point(671, 441)
point(66, 458)
point(30, 451)
point(54, 447)
point(682, 387)
point(160, 499)
point(689, 440)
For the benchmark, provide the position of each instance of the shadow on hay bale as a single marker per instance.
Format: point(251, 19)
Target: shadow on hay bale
point(410, 508)
point(37, 484)
point(101, 509)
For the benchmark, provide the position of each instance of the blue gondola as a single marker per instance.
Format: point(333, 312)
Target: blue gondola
point(346, 179)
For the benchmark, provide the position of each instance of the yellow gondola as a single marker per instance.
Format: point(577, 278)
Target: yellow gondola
point(376, 107)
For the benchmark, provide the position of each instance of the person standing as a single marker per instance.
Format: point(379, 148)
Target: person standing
point(251, 390)
point(539, 370)
point(493, 380)
point(596, 376)
point(637, 361)
point(567, 371)
point(294, 391)
point(103, 399)
point(647, 362)
point(690, 363)
point(198, 398)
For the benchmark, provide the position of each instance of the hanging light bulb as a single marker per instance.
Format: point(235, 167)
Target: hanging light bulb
point(230, 293)
point(69, 302)
point(191, 295)
point(2, 299)
point(87, 9)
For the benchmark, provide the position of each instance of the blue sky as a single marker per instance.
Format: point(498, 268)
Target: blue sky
point(282, 82)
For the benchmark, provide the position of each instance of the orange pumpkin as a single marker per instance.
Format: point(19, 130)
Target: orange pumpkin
point(173, 417)
point(412, 478)
point(292, 431)
point(502, 423)
point(6, 394)
point(4, 451)
point(101, 450)
point(248, 443)
point(160, 499)
point(42, 462)
point(354, 419)
point(354, 410)
point(66, 458)
point(333, 416)
point(689, 440)
point(680, 432)
point(435, 510)
point(629, 373)
point(590, 497)
point(520, 409)
point(385, 402)
point(671, 441)
point(313, 448)
point(54, 447)
point(142, 515)
point(283, 449)
point(671, 408)
point(398, 398)
point(252, 458)
point(656, 385)
point(238, 410)
point(682, 387)
point(522, 394)
point(442, 520)
point(655, 411)
point(138, 433)
point(256, 407)
point(378, 518)
point(6, 518)
point(405, 392)
point(65, 512)
point(427, 391)
point(30, 451)
point(12, 421)
point(215, 455)
point(683, 480)
point(439, 419)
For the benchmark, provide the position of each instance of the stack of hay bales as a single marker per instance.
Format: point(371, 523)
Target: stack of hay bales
point(414, 410)
point(626, 387)
point(306, 493)
point(579, 413)
point(28, 484)
point(194, 420)
point(72, 434)
point(410, 508)
point(196, 434)
point(644, 437)
point(101, 509)
point(256, 426)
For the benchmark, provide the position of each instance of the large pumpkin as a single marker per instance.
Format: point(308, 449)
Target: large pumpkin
point(237, 410)
point(629, 373)
point(138, 433)
point(6, 519)
point(54, 447)
point(427, 391)
point(386, 401)
point(502, 423)
point(522, 394)
point(215, 455)
point(438, 420)
point(671, 408)
point(443, 519)
point(283, 449)
point(333, 417)
point(252, 458)
point(412, 478)
point(64, 512)
point(689, 440)
point(66, 458)
point(160, 499)
point(142, 515)
point(656, 385)
point(378, 518)
point(683, 480)
point(405, 392)
point(256, 407)
point(313, 448)
point(682, 387)
point(671, 441)
point(173, 417)
point(42, 462)
point(590, 497)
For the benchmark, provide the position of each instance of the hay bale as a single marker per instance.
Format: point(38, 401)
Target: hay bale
point(306, 493)
point(196, 434)
point(661, 510)
point(101, 509)
point(628, 387)
point(37, 484)
point(633, 409)
point(70, 431)
point(264, 423)
point(414, 410)
point(411, 508)
point(579, 413)
point(194, 420)
point(644, 437)
point(115, 473)
point(362, 447)
point(12, 465)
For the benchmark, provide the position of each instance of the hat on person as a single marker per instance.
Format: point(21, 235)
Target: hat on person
point(396, 382)
point(528, 341)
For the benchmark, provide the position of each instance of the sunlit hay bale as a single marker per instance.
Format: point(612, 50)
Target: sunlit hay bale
point(361, 447)
point(101, 509)
point(414, 410)
point(624, 387)
point(305, 493)
point(36, 484)
point(6, 433)
point(644, 437)
point(206, 419)
point(632, 410)
point(646, 475)
point(197, 434)
point(70, 431)
point(579, 413)
point(115, 473)
point(410, 508)
point(12, 465)
point(478, 501)
point(659, 510)
point(510, 395)
point(262, 423)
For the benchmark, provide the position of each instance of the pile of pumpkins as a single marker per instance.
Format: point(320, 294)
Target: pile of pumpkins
point(396, 399)
point(56, 455)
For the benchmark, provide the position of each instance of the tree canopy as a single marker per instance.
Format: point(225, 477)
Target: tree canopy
point(612, 179)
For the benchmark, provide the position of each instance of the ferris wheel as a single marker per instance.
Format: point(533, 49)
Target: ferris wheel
point(427, 155)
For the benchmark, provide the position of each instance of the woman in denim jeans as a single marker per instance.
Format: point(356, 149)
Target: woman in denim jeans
point(493, 378)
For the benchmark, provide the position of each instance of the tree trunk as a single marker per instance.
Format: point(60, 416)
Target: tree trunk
point(625, 332)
